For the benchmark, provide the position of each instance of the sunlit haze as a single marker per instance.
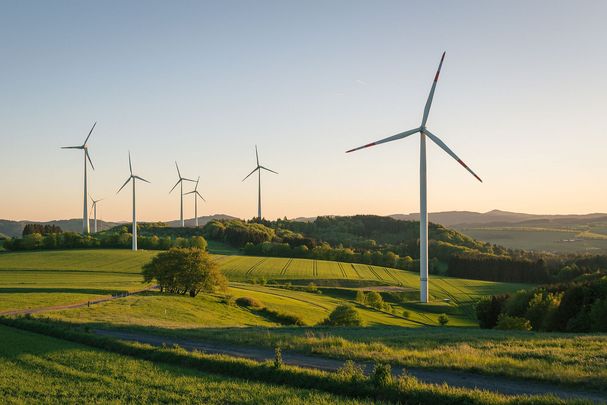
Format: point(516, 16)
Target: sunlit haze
point(521, 99)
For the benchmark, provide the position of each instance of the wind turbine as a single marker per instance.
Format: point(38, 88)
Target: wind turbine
point(423, 222)
point(84, 147)
point(134, 178)
point(95, 212)
point(180, 183)
point(258, 170)
point(196, 195)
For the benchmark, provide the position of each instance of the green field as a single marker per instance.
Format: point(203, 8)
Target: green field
point(561, 240)
point(38, 369)
point(35, 279)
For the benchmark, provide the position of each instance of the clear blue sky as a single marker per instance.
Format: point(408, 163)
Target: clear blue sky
point(521, 99)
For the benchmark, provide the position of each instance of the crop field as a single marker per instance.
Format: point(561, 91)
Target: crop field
point(544, 239)
point(35, 279)
point(41, 369)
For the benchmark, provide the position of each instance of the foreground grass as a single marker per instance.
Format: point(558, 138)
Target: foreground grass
point(575, 360)
point(403, 390)
point(39, 369)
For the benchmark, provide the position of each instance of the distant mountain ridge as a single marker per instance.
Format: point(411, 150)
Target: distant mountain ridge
point(455, 219)
point(15, 228)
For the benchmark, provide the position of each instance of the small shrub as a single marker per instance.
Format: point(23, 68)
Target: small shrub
point(277, 357)
point(406, 314)
point(351, 371)
point(375, 300)
point(248, 302)
point(361, 297)
point(311, 288)
point(381, 376)
point(282, 317)
point(344, 315)
point(443, 319)
point(507, 322)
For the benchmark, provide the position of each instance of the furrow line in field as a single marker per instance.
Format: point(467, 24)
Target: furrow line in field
point(255, 266)
point(374, 272)
point(392, 276)
point(356, 271)
point(285, 267)
point(341, 268)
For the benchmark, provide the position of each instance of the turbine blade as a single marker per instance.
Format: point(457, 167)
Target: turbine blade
point(388, 139)
point(184, 179)
point(196, 188)
point(72, 147)
point(199, 195)
point(125, 183)
point(176, 184)
point(256, 155)
point(141, 178)
point(265, 168)
point(178, 172)
point(89, 135)
point(254, 170)
point(86, 152)
point(189, 192)
point(130, 165)
point(444, 147)
point(431, 95)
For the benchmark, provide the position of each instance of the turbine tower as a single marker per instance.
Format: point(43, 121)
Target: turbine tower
point(134, 178)
point(84, 147)
point(196, 195)
point(95, 212)
point(180, 183)
point(258, 170)
point(423, 208)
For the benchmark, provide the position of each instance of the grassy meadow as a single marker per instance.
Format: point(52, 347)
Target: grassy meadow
point(34, 279)
point(38, 369)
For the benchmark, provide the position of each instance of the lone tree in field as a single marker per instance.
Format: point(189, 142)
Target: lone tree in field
point(184, 270)
point(344, 315)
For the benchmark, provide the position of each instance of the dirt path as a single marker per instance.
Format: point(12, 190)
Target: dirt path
point(77, 304)
point(453, 378)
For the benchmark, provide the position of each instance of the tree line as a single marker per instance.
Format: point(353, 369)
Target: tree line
point(579, 305)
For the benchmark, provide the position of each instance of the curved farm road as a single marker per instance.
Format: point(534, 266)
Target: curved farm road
point(80, 304)
point(453, 378)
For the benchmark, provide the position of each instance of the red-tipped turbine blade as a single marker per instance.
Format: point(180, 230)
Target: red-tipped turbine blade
point(444, 147)
point(388, 139)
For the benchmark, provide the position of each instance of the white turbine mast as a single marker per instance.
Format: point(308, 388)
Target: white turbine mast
point(84, 147)
point(196, 195)
point(134, 178)
point(423, 209)
point(258, 170)
point(94, 207)
point(180, 183)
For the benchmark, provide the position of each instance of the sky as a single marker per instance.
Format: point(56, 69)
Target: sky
point(521, 99)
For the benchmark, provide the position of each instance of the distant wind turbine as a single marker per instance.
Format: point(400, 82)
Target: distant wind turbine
point(84, 147)
point(134, 178)
point(423, 223)
point(258, 170)
point(180, 183)
point(196, 195)
point(95, 212)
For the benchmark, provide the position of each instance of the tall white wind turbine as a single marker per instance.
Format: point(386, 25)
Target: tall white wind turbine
point(84, 147)
point(134, 178)
point(258, 170)
point(94, 206)
point(180, 183)
point(196, 195)
point(423, 209)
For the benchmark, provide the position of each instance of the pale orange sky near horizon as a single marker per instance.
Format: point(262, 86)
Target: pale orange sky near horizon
point(521, 99)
